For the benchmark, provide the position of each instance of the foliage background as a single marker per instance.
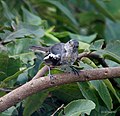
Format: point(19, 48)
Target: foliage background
point(94, 23)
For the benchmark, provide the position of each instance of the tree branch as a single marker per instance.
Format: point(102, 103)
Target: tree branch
point(42, 83)
point(41, 72)
point(92, 55)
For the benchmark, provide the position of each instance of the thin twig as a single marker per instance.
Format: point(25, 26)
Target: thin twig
point(5, 89)
point(58, 109)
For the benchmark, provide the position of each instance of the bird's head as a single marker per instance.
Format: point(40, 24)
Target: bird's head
point(72, 45)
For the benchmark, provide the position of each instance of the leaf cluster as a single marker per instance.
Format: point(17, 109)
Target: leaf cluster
point(94, 23)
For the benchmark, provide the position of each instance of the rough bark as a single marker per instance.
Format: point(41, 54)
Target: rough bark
point(39, 84)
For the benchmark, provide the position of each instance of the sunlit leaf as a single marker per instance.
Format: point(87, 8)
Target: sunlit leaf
point(20, 49)
point(9, 36)
point(77, 107)
point(87, 39)
point(89, 62)
point(97, 45)
point(112, 51)
point(10, 111)
point(50, 39)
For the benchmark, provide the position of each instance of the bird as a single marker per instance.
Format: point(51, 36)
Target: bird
point(59, 54)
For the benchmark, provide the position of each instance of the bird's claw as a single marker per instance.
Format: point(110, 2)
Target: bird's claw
point(51, 76)
point(74, 70)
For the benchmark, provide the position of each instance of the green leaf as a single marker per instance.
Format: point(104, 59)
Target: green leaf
point(61, 34)
point(103, 112)
point(99, 6)
point(67, 93)
point(22, 78)
point(83, 45)
point(89, 92)
point(12, 111)
point(87, 39)
point(113, 7)
point(87, 18)
point(2, 75)
point(30, 31)
point(50, 39)
point(63, 9)
point(112, 51)
point(112, 31)
point(30, 18)
point(34, 102)
point(77, 107)
point(89, 62)
point(13, 76)
point(103, 92)
point(96, 45)
point(26, 57)
point(112, 57)
point(8, 66)
point(111, 88)
point(113, 47)
point(118, 80)
point(20, 49)
point(7, 12)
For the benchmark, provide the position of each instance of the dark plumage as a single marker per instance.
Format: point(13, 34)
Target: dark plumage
point(60, 53)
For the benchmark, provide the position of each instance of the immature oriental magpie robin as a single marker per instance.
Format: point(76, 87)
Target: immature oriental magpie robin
point(60, 54)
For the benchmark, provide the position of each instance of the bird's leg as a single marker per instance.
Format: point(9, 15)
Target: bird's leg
point(49, 74)
point(70, 68)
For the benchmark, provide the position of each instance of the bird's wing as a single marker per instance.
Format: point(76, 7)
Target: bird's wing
point(53, 57)
point(57, 48)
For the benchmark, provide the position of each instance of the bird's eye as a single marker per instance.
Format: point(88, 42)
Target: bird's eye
point(70, 43)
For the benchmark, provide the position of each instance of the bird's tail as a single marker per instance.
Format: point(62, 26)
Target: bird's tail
point(39, 48)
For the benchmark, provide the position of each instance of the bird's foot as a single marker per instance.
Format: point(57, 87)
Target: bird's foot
point(51, 76)
point(75, 70)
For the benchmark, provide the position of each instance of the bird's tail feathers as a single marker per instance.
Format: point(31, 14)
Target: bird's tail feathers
point(39, 49)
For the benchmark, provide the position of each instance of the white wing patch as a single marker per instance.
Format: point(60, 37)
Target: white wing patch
point(57, 56)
